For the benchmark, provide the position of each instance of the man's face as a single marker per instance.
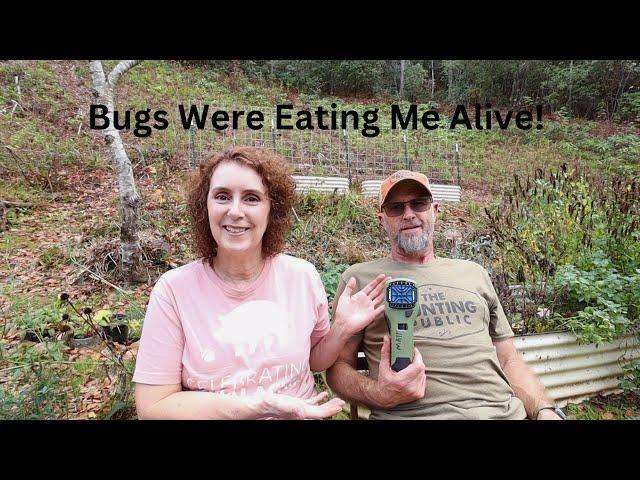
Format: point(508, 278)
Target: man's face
point(411, 232)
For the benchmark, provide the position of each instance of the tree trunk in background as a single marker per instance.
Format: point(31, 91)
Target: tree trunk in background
point(450, 89)
point(104, 94)
point(401, 93)
point(621, 88)
point(570, 85)
point(433, 80)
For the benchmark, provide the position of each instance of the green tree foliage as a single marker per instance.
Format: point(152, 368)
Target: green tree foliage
point(593, 89)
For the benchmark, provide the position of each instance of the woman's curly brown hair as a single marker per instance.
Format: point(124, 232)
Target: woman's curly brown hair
point(276, 176)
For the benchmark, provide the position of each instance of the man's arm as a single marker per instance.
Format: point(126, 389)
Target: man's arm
point(524, 382)
point(347, 382)
point(390, 389)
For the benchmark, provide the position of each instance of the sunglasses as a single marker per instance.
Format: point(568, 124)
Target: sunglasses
point(395, 209)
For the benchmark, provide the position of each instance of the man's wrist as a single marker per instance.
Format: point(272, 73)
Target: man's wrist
point(539, 407)
point(380, 397)
point(550, 413)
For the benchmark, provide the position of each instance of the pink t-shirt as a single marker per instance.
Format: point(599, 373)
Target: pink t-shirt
point(206, 335)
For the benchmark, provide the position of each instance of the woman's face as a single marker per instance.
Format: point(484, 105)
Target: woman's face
point(238, 206)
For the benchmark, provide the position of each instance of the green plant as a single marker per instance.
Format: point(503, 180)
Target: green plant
point(40, 396)
point(583, 412)
point(343, 227)
point(599, 302)
point(330, 275)
point(135, 317)
point(93, 321)
point(630, 107)
point(41, 322)
point(52, 256)
point(571, 241)
point(630, 380)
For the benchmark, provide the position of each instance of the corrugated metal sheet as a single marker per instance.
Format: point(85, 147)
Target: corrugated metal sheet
point(441, 193)
point(321, 184)
point(370, 188)
point(573, 372)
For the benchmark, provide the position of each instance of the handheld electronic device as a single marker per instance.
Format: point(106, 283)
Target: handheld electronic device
point(401, 310)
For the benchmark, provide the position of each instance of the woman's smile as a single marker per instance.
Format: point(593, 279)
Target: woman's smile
point(233, 230)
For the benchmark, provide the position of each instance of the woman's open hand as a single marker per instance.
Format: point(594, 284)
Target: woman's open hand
point(355, 311)
point(293, 408)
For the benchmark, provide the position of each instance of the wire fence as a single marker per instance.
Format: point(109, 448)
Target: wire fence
point(340, 152)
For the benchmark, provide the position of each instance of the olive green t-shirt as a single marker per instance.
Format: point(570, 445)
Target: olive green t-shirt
point(460, 315)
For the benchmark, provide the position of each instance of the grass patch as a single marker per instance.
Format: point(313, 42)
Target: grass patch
point(623, 406)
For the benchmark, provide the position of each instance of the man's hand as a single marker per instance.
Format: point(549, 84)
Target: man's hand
point(404, 386)
point(293, 408)
point(355, 312)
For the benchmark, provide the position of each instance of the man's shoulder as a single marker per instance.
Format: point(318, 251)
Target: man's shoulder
point(381, 265)
point(461, 264)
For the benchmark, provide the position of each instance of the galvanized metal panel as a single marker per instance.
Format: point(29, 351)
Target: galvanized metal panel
point(569, 371)
point(441, 193)
point(572, 372)
point(321, 184)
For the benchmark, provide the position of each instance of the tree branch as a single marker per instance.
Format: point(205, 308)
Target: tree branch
point(122, 67)
point(12, 204)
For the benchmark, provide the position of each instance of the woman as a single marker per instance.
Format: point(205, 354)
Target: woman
point(237, 334)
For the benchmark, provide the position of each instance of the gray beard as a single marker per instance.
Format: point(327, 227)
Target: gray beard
point(414, 243)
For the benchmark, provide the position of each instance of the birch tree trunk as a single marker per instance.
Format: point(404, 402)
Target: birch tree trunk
point(104, 94)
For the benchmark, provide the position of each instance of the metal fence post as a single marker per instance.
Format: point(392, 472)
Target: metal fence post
point(273, 135)
point(406, 154)
point(457, 157)
point(346, 147)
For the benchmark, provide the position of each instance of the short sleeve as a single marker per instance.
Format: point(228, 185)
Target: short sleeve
point(159, 359)
point(499, 326)
point(322, 325)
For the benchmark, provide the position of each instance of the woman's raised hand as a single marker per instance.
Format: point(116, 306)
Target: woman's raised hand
point(355, 311)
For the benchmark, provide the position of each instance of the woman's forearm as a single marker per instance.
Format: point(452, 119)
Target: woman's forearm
point(189, 405)
point(326, 351)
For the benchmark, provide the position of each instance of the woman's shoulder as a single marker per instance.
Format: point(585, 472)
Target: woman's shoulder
point(183, 273)
point(290, 264)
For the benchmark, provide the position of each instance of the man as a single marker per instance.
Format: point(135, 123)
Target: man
point(465, 365)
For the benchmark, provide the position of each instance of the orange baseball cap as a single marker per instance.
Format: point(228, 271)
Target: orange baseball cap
point(402, 176)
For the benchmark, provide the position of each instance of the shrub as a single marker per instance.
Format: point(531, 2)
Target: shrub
point(572, 242)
